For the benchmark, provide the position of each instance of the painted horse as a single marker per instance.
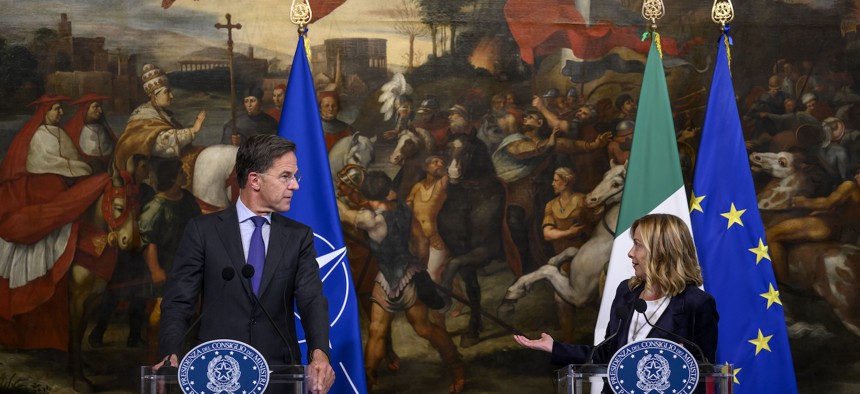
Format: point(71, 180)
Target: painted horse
point(112, 219)
point(213, 181)
point(471, 222)
point(413, 146)
point(830, 271)
point(793, 175)
point(581, 284)
point(357, 149)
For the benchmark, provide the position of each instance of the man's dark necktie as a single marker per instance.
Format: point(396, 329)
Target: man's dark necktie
point(257, 252)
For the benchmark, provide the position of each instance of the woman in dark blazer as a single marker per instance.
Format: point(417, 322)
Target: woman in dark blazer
point(667, 278)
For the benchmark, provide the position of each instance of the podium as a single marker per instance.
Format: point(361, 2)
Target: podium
point(287, 379)
point(578, 378)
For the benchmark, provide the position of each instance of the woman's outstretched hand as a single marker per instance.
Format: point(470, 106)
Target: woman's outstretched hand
point(544, 343)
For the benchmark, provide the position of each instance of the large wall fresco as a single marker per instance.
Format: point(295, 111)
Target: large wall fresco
point(547, 92)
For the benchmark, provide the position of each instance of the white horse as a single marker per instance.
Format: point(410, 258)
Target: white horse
point(357, 149)
point(580, 285)
point(211, 171)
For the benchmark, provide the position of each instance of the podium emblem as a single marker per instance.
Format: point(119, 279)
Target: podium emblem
point(653, 366)
point(223, 366)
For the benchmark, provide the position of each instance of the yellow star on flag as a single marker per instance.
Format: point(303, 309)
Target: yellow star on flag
point(734, 216)
point(761, 342)
point(760, 251)
point(695, 203)
point(772, 296)
point(735, 372)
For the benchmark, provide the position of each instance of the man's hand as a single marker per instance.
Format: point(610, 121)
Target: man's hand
point(390, 134)
point(320, 373)
point(234, 139)
point(575, 229)
point(553, 138)
point(605, 138)
point(198, 122)
point(170, 361)
point(537, 102)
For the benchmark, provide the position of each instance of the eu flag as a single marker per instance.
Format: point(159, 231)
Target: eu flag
point(315, 206)
point(733, 250)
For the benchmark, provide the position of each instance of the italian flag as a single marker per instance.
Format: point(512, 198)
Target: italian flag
point(654, 183)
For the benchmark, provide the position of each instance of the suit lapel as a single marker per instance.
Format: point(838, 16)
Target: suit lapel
point(672, 318)
point(624, 330)
point(231, 238)
point(275, 251)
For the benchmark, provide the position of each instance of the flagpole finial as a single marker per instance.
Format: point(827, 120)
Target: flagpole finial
point(301, 14)
point(653, 10)
point(722, 12)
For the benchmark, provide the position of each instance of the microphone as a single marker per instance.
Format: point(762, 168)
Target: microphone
point(620, 314)
point(640, 306)
point(227, 274)
point(248, 272)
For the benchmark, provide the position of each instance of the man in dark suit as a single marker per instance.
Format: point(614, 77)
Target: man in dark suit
point(267, 172)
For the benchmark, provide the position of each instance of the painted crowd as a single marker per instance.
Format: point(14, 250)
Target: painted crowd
point(532, 183)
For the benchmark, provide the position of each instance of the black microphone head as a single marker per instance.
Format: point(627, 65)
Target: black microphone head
point(640, 305)
point(228, 273)
point(167, 370)
point(248, 271)
point(621, 312)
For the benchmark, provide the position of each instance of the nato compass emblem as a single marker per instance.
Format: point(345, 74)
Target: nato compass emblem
point(336, 278)
point(223, 366)
point(653, 365)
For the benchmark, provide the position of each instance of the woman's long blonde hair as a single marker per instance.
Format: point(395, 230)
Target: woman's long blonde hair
point(671, 254)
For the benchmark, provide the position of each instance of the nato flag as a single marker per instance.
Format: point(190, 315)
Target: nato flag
point(315, 206)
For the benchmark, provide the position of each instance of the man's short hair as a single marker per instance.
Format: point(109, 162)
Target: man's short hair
point(376, 186)
point(532, 111)
point(258, 153)
point(328, 93)
point(430, 159)
point(166, 174)
point(620, 100)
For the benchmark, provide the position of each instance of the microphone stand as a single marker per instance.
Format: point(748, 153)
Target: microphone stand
point(248, 272)
point(640, 306)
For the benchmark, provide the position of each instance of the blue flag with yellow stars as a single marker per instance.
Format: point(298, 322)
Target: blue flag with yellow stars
point(315, 206)
point(733, 251)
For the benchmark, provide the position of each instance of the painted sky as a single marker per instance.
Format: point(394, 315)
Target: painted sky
point(265, 23)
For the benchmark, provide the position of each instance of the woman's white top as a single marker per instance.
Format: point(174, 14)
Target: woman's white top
point(639, 328)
